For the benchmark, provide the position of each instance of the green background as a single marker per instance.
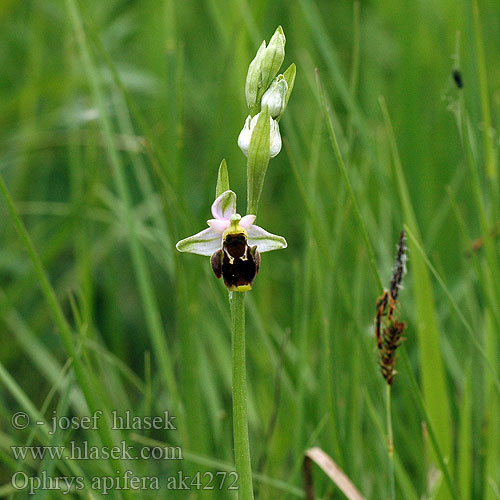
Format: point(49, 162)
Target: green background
point(114, 117)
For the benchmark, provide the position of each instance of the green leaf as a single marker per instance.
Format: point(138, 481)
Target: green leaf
point(433, 377)
point(464, 465)
point(289, 76)
point(258, 159)
point(222, 179)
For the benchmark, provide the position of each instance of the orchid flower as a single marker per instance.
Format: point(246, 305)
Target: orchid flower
point(233, 243)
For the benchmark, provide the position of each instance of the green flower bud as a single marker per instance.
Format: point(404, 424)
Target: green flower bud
point(273, 58)
point(275, 96)
point(264, 68)
point(254, 77)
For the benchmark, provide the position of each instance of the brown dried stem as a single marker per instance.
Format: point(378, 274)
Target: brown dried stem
point(332, 470)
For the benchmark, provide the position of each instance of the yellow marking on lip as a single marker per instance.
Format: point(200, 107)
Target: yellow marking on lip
point(229, 256)
point(244, 257)
point(241, 288)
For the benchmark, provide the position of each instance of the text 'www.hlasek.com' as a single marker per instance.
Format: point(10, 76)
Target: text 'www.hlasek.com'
point(57, 462)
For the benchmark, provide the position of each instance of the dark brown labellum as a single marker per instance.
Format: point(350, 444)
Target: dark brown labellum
point(236, 262)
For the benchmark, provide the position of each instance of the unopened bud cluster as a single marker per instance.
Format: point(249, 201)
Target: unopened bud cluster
point(263, 89)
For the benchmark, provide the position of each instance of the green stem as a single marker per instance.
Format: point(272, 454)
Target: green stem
point(429, 428)
point(240, 418)
point(489, 148)
point(390, 443)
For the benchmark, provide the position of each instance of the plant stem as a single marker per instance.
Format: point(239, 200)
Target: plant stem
point(430, 430)
point(390, 443)
point(240, 418)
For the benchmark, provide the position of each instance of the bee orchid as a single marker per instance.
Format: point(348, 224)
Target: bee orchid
point(234, 244)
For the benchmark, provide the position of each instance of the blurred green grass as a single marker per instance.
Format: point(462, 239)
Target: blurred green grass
point(171, 76)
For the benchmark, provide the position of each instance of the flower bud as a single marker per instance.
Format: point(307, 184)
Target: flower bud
point(275, 96)
point(253, 81)
point(274, 139)
point(264, 67)
point(246, 135)
point(273, 58)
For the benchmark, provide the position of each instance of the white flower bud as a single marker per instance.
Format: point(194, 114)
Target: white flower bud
point(275, 139)
point(246, 135)
point(275, 96)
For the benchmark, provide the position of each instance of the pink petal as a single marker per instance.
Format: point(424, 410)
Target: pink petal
point(225, 205)
point(218, 225)
point(247, 221)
